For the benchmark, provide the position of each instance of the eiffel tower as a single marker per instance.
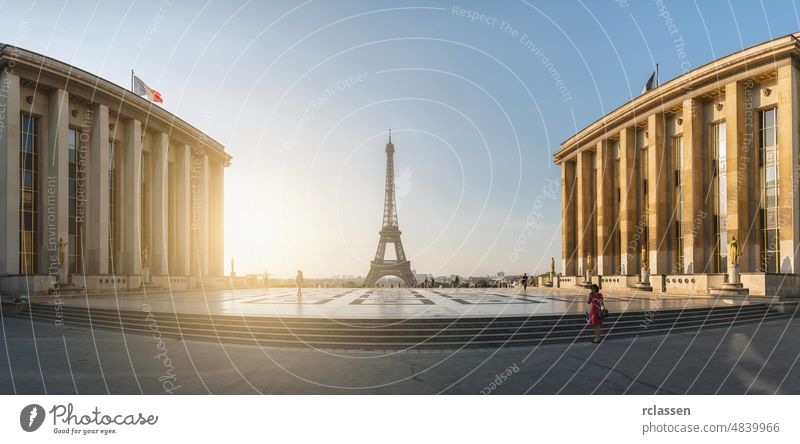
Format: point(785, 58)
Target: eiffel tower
point(390, 234)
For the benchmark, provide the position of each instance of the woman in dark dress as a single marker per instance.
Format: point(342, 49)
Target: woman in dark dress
point(596, 303)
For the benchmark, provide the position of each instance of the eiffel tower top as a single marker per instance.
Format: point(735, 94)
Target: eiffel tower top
point(389, 145)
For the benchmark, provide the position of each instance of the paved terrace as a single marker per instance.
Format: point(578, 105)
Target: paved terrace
point(376, 303)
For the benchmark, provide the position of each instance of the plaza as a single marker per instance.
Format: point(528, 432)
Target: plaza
point(381, 303)
point(757, 356)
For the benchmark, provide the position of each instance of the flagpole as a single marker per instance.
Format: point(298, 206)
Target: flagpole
point(656, 74)
point(131, 80)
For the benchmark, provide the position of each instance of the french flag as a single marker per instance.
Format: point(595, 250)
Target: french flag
point(141, 89)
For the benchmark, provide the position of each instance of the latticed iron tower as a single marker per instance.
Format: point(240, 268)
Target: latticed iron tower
point(390, 234)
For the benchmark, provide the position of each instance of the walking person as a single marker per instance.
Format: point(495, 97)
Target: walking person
point(596, 304)
point(524, 282)
point(299, 282)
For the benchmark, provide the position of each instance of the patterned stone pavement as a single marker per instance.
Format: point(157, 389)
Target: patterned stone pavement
point(403, 303)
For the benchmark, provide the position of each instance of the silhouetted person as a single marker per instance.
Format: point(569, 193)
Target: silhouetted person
point(455, 282)
point(596, 303)
point(299, 282)
point(525, 282)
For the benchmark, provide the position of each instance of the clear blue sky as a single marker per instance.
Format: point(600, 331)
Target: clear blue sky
point(476, 112)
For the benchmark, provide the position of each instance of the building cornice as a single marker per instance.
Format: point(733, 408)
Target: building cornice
point(56, 74)
point(712, 76)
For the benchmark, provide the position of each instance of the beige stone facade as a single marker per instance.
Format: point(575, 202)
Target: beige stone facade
point(134, 192)
point(683, 169)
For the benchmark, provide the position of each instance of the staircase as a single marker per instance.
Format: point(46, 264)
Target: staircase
point(404, 333)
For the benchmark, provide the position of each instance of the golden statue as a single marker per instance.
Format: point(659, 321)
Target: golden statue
point(61, 247)
point(733, 251)
point(644, 257)
point(232, 264)
point(552, 266)
point(589, 263)
point(146, 257)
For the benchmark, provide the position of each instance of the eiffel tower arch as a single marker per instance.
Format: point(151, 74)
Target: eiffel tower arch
point(390, 234)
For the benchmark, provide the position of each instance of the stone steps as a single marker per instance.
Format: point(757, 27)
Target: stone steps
point(399, 333)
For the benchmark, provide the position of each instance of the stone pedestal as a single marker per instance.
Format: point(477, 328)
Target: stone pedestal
point(733, 274)
point(644, 280)
point(734, 286)
point(549, 282)
point(62, 274)
point(145, 275)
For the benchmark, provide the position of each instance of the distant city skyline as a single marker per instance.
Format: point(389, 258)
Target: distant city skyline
point(478, 97)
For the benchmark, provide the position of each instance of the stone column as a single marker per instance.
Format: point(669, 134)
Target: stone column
point(183, 212)
point(789, 170)
point(605, 219)
point(568, 204)
point(159, 205)
point(131, 199)
point(55, 199)
point(98, 212)
point(218, 236)
point(183, 200)
point(740, 158)
point(695, 208)
point(585, 175)
point(9, 170)
point(205, 213)
point(659, 178)
point(628, 189)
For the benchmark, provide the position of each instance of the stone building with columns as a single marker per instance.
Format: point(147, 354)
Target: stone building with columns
point(132, 193)
point(674, 175)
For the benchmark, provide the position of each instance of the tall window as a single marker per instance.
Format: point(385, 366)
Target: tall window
point(145, 210)
point(720, 189)
point(644, 205)
point(615, 211)
point(75, 244)
point(677, 161)
point(28, 198)
point(768, 155)
point(112, 207)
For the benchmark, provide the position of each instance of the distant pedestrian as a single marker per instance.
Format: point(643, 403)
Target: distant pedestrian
point(455, 282)
point(299, 282)
point(596, 305)
point(525, 282)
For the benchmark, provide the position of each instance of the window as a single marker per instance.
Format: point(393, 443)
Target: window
point(677, 161)
point(112, 207)
point(644, 205)
point(768, 212)
point(145, 210)
point(28, 199)
point(617, 251)
point(719, 185)
point(76, 202)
